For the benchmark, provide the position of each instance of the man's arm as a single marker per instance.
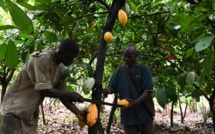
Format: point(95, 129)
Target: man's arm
point(141, 99)
point(67, 98)
point(54, 93)
point(80, 114)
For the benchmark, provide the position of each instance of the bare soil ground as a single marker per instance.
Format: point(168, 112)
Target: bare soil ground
point(60, 120)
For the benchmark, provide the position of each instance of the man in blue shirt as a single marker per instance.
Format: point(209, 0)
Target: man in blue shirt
point(133, 81)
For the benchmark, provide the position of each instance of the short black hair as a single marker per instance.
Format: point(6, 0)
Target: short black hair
point(69, 45)
point(132, 49)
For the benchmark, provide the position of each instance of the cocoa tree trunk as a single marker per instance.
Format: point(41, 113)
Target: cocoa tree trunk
point(213, 117)
point(5, 79)
point(171, 114)
point(113, 12)
point(211, 103)
point(213, 120)
point(4, 87)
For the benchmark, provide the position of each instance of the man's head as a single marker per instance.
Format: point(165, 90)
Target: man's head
point(67, 51)
point(130, 55)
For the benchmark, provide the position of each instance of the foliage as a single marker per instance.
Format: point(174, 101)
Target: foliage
point(174, 38)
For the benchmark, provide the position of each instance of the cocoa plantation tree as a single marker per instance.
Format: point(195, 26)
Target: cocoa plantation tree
point(175, 38)
point(186, 52)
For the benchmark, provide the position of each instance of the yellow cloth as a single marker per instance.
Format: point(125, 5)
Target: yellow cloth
point(23, 97)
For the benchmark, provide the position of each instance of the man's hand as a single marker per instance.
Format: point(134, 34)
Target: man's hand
point(73, 96)
point(106, 91)
point(132, 103)
point(83, 116)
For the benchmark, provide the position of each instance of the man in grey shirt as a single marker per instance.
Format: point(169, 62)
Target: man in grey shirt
point(39, 78)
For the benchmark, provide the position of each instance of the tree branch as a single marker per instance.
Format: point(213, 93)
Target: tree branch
point(7, 80)
point(153, 14)
point(197, 87)
point(104, 4)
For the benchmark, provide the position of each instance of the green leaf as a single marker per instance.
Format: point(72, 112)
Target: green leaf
point(25, 56)
point(161, 97)
point(72, 81)
point(174, 5)
point(12, 55)
point(87, 67)
point(35, 34)
point(200, 9)
point(20, 1)
point(6, 27)
point(189, 52)
point(67, 72)
point(202, 78)
point(185, 21)
point(2, 4)
point(30, 7)
point(181, 79)
point(208, 63)
point(127, 9)
point(190, 78)
point(16, 42)
point(171, 93)
point(203, 43)
point(23, 35)
point(19, 17)
point(196, 94)
point(60, 14)
point(3, 48)
point(50, 36)
point(133, 6)
point(167, 71)
point(210, 85)
point(43, 1)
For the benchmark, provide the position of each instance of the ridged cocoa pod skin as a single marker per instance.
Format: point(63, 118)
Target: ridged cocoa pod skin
point(123, 102)
point(88, 85)
point(92, 115)
point(122, 16)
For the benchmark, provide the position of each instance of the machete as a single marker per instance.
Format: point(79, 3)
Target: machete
point(102, 102)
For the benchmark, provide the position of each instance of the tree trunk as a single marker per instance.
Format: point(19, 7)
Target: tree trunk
point(171, 115)
point(113, 12)
point(7, 76)
point(213, 111)
point(4, 81)
point(181, 111)
point(211, 103)
point(4, 87)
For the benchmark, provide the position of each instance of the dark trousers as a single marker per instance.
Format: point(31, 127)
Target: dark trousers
point(145, 128)
point(10, 124)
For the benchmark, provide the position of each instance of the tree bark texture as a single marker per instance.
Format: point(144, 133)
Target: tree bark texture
point(97, 93)
point(172, 113)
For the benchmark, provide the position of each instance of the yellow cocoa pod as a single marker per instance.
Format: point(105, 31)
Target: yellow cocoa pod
point(122, 16)
point(123, 102)
point(92, 115)
point(108, 36)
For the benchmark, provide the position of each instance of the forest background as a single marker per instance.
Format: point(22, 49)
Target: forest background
point(175, 38)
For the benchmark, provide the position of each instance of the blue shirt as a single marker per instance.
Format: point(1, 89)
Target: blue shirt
point(121, 83)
